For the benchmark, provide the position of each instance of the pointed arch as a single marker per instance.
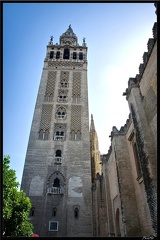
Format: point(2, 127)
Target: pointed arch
point(41, 134)
point(51, 97)
point(46, 134)
point(74, 98)
point(57, 173)
point(78, 135)
point(72, 135)
point(58, 153)
point(78, 98)
point(61, 112)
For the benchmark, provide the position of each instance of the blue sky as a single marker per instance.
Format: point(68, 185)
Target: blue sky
point(116, 35)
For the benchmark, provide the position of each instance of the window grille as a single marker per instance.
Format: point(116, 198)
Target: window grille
point(53, 226)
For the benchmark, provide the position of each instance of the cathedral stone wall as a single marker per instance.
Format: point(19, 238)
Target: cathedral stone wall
point(129, 168)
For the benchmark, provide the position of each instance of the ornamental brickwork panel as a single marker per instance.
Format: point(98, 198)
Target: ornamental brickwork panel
point(64, 75)
point(76, 118)
point(65, 64)
point(76, 90)
point(46, 116)
point(49, 93)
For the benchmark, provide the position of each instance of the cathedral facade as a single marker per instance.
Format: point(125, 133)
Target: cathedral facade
point(127, 186)
point(57, 170)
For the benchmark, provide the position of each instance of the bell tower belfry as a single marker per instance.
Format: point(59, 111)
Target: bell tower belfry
point(57, 169)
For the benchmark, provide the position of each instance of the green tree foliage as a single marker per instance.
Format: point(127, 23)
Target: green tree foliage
point(16, 205)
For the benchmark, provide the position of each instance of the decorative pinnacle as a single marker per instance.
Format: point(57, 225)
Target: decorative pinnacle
point(51, 38)
point(92, 123)
point(91, 116)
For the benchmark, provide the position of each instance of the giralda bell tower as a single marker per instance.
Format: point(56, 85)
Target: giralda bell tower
point(57, 169)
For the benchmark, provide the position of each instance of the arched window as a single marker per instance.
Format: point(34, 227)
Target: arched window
point(62, 133)
point(61, 112)
point(59, 132)
point(54, 212)
point(56, 183)
point(32, 211)
point(43, 134)
point(76, 212)
point(62, 96)
point(58, 153)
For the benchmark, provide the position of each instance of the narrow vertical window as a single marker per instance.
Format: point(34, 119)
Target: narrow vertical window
point(76, 211)
point(32, 211)
point(58, 54)
point(51, 54)
point(74, 55)
point(66, 54)
point(58, 153)
point(138, 168)
point(118, 224)
point(80, 56)
point(54, 212)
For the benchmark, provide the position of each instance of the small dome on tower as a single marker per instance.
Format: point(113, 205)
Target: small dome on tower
point(69, 31)
point(68, 37)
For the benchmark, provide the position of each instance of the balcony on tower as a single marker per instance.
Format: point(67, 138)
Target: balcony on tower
point(57, 160)
point(59, 136)
point(55, 190)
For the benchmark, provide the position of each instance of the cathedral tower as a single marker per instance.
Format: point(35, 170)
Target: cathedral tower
point(57, 170)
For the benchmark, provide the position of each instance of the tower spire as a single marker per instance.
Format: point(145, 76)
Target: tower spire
point(92, 128)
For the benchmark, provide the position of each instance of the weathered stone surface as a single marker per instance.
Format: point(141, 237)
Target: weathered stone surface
point(74, 170)
point(130, 179)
